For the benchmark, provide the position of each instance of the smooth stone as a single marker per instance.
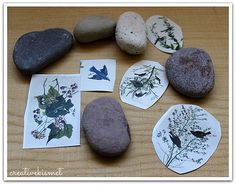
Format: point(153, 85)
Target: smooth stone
point(131, 33)
point(35, 50)
point(94, 28)
point(190, 71)
point(105, 126)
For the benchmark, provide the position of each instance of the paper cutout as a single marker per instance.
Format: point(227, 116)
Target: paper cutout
point(164, 34)
point(98, 75)
point(143, 84)
point(52, 116)
point(185, 137)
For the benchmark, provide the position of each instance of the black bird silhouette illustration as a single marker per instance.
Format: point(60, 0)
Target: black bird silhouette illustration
point(140, 94)
point(141, 74)
point(200, 134)
point(175, 139)
point(158, 79)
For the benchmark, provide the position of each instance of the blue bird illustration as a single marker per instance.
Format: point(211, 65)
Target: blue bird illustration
point(99, 74)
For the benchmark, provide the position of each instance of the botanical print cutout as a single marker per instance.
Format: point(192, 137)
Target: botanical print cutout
point(185, 137)
point(143, 84)
point(164, 34)
point(98, 75)
point(52, 117)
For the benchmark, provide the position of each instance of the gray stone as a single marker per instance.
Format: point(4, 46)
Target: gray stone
point(131, 33)
point(35, 50)
point(106, 127)
point(190, 71)
point(94, 28)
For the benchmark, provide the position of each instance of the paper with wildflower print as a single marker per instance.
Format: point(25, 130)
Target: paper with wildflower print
point(52, 116)
point(98, 74)
point(143, 84)
point(186, 137)
point(164, 34)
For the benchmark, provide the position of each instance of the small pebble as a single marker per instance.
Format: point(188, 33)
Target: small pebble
point(94, 28)
point(35, 50)
point(190, 71)
point(131, 33)
point(106, 127)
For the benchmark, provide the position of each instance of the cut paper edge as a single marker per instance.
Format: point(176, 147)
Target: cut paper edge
point(24, 145)
point(133, 103)
point(165, 50)
point(157, 125)
point(98, 89)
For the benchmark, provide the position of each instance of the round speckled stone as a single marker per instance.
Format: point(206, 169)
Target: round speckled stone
point(190, 71)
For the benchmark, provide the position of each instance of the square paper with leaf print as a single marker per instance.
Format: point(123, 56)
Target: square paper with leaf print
point(143, 84)
point(98, 75)
point(52, 116)
point(186, 137)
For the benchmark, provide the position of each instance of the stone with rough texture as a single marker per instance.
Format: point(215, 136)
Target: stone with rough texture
point(106, 127)
point(190, 71)
point(94, 28)
point(131, 33)
point(35, 50)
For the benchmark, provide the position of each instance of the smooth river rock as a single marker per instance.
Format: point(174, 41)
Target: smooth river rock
point(94, 28)
point(35, 50)
point(190, 71)
point(131, 33)
point(106, 127)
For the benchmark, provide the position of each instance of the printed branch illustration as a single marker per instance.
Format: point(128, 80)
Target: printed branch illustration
point(143, 82)
point(168, 41)
point(51, 111)
point(185, 137)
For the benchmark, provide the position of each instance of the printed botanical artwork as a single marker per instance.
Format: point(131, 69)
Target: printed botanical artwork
point(98, 75)
point(185, 137)
point(143, 84)
point(164, 34)
point(52, 117)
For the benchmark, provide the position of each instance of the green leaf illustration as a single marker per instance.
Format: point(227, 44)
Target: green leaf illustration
point(68, 128)
point(45, 100)
point(52, 92)
point(42, 101)
point(60, 107)
point(57, 133)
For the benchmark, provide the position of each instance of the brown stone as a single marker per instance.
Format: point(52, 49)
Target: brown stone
point(106, 127)
point(190, 71)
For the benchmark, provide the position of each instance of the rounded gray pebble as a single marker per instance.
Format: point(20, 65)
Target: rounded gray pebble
point(94, 28)
point(190, 71)
point(105, 126)
point(35, 50)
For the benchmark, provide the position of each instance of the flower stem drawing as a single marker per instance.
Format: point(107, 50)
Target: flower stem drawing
point(142, 83)
point(184, 140)
point(168, 40)
point(53, 105)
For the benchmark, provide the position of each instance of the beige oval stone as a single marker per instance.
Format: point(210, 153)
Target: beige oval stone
point(131, 33)
point(94, 28)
